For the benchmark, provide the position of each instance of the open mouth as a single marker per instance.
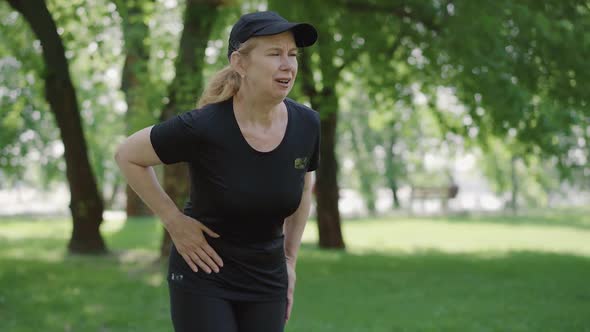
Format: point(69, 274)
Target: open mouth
point(283, 82)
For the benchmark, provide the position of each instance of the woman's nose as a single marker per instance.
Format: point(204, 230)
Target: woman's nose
point(287, 62)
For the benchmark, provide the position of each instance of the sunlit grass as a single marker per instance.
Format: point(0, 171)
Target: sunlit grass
point(403, 274)
point(545, 233)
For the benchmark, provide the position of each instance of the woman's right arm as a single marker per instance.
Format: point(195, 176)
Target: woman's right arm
point(135, 157)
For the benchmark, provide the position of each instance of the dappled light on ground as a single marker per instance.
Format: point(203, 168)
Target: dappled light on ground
point(417, 274)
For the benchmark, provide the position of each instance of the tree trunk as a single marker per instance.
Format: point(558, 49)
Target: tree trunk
point(184, 90)
point(514, 182)
point(110, 202)
point(330, 233)
point(364, 161)
point(86, 203)
point(325, 101)
point(133, 84)
point(326, 188)
point(390, 170)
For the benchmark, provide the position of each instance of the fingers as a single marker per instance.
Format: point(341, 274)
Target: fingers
point(195, 262)
point(208, 263)
point(199, 261)
point(190, 263)
point(209, 231)
point(207, 248)
point(204, 258)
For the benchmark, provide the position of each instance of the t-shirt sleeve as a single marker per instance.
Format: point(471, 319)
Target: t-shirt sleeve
point(174, 139)
point(314, 161)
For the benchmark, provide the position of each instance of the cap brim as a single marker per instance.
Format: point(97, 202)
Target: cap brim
point(304, 33)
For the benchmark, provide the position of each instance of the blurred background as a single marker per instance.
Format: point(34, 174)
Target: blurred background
point(453, 191)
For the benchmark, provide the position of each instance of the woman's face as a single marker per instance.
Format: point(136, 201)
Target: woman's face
point(271, 67)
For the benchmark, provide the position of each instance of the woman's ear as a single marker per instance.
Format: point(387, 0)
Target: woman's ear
point(236, 63)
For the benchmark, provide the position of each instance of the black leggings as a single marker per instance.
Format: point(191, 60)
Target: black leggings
point(198, 313)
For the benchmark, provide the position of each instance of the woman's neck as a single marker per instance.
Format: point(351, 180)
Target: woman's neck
point(253, 110)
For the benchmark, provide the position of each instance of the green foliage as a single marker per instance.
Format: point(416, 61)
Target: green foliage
point(216, 59)
point(29, 141)
point(92, 37)
point(95, 60)
point(516, 69)
point(136, 82)
point(536, 178)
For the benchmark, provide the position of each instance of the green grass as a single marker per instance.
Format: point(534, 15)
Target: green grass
point(527, 273)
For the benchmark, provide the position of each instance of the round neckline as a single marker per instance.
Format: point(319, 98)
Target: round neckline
point(245, 141)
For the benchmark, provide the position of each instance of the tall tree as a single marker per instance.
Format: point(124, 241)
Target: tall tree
point(324, 99)
point(135, 79)
point(199, 17)
point(86, 203)
point(344, 29)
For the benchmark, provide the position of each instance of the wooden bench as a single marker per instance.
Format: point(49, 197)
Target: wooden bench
point(424, 193)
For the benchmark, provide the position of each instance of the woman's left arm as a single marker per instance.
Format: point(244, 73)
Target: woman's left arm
point(293, 229)
point(295, 223)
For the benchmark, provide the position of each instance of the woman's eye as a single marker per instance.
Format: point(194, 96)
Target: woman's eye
point(274, 54)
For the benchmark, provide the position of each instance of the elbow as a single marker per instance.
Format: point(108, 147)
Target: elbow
point(119, 155)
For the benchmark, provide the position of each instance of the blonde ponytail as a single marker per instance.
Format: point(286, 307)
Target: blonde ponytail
point(222, 86)
point(226, 82)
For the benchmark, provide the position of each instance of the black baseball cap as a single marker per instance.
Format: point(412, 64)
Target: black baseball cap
point(269, 23)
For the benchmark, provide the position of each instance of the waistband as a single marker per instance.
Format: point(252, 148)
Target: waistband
point(245, 231)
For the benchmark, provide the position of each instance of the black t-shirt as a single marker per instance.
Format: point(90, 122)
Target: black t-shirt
point(241, 193)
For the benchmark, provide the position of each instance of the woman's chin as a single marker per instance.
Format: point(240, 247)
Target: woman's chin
point(279, 95)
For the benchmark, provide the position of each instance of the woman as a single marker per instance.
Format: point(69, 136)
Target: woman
point(250, 151)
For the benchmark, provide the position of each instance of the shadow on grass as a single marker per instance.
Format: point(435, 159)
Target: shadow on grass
point(80, 293)
point(435, 291)
point(336, 291)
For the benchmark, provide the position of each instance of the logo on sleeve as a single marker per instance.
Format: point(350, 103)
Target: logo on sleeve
point(301, 163)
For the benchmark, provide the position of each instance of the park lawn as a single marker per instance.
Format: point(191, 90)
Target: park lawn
point(404, 274)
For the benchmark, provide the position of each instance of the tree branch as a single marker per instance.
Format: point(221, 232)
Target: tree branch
point(400, 11)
